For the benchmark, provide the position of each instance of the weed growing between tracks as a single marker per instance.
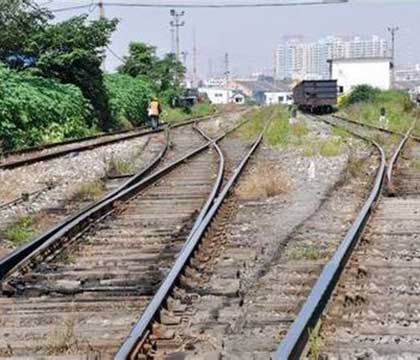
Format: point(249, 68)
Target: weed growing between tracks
point(264, 181)
point(62, 339)
point(21, 231)
point(177, 115)
point(120, 167)
point(89, 191)
point(304, 252)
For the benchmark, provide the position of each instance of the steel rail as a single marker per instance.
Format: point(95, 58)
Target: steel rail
point(217, 184)
point(395, 157)
point(141, 329)
point(21, 254)
point(294, 343)
point(391, 132)
point(51, 145)
point(82, 219)
point(59, 153)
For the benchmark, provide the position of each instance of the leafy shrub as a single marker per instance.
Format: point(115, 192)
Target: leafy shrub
point(35, 110)
point(129, 98)
point(361, 93)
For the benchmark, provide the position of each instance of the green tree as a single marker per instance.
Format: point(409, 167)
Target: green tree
point(19, 20)
point(141, 60)
point(73, 51)
point(164, 74)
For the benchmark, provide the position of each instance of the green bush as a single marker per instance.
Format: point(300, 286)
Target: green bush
point(398, 105)
point(35, 110)
point(361, 93)
point(129, 98)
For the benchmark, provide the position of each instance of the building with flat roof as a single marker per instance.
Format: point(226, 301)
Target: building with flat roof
point(349, 73)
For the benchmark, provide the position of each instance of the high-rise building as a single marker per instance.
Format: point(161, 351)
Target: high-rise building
point(297, 59)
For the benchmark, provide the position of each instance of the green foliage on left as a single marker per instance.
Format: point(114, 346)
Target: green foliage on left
point(129, 98)
point(19, 20)
point(35, 110)
point(72, 51)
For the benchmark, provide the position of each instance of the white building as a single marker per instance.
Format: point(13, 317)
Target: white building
point(285, 98)
point(221, 96)
point(349, 73)
point(297, 59)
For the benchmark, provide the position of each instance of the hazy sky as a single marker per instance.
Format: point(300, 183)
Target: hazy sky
point(250, 36)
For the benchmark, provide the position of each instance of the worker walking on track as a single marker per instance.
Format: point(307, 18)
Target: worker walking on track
point(154, 112)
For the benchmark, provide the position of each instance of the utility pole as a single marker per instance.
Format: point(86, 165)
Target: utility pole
point(176, 24)
point(392, 31)
point(172, 40)
point(210, 73)
point(194, 77)
point(227, 71)
point(102, 16)
point(184, 58)
point(101, 9)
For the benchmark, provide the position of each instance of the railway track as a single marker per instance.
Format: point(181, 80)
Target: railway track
point(374, 311)
point(77, 290)
point(303, 336)
point(27, 156)
point(387, 139)
point(236, 302)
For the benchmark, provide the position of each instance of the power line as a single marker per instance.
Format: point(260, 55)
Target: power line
point(115, 54)
point(210, 5)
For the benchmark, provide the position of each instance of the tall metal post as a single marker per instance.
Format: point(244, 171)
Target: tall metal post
point(101, 9)
point(176, 24)
point(227, 71)
point(194, 77)
point(392, 31)
point(102, 16)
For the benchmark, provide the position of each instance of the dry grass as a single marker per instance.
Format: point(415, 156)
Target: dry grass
point(120, 167)
point(355, 165)
point(264, 181)
point(62, 339)
point(89, 191)
point(307, 252)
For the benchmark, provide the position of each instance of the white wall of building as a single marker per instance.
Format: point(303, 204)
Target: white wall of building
point(278, 98)
point(352, 72)
point(220, 96)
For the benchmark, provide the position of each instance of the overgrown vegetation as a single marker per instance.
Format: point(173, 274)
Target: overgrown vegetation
point(20, 232)
point(129, 98)
point(42, 56)
point(364, 104)
point(35, 110)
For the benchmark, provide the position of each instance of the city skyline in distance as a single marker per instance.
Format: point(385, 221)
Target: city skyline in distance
point(250, 36)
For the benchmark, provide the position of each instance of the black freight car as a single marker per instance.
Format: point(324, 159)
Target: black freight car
point(316, 96)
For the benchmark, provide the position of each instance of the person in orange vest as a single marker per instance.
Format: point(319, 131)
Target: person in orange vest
point(154, 112)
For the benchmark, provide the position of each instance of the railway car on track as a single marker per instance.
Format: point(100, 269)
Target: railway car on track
point(316, 96)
